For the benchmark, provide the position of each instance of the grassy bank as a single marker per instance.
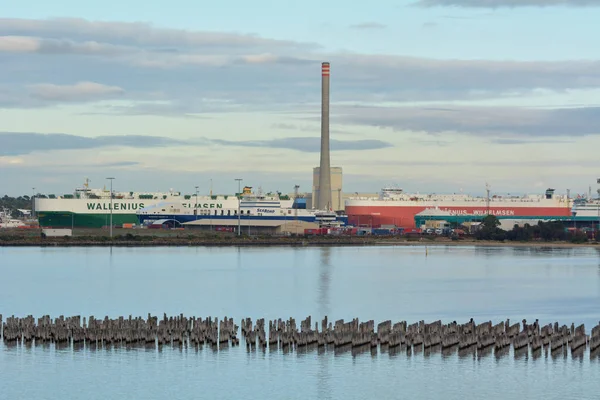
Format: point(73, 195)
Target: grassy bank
point(146, 237)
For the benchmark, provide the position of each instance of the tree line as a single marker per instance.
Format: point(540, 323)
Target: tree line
point(544, 231)
point(13, 204)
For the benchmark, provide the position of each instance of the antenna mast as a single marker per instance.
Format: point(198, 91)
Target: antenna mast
point(487, 200)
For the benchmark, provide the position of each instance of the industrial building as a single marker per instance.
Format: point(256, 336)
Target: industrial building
point(337, 201)
point(338, 205)
point(253, 227)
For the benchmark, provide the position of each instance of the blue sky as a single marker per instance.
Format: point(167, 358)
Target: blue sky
point(432, 95)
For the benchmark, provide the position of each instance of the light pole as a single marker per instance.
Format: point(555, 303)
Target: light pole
point(111, 205)
point(32, 202)
point(196, 207)
point(598, 223)
point(239, 180)
point(211, 197)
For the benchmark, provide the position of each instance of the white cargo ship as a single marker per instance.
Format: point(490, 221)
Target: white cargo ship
point(249, 206)
point(91, 208)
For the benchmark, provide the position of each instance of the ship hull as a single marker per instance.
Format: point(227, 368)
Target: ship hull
point(88, 213)
point(65, 219)
point(404, 216)
point(182, 219)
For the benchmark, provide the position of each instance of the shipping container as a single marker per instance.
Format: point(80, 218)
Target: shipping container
point(158, 226)
point(317, 231)
point(381, 232)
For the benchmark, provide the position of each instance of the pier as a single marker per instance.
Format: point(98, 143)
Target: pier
point(287, 335)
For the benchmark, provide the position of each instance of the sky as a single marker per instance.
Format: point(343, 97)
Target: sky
point(429, 95)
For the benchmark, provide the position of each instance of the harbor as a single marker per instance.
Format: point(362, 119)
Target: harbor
point(165, 237)
point(327, 208)
point(397, 200)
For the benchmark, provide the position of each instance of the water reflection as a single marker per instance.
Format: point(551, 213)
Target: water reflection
point(468, 352)
point(324, 280)
point(453, 283)
point(499, 354)
point(323, 287)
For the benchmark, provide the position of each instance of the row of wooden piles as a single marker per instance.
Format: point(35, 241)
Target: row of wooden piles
point(135, 331)
point(286, 334)
point(423, 335)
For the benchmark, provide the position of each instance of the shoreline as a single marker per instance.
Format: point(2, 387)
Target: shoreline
point(276, 242)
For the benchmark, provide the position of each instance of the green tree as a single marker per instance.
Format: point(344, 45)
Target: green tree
point(15, 203)
point(490, 222)
point(489, 229)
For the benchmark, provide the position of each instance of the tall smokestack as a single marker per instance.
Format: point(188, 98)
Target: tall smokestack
point(324, 199)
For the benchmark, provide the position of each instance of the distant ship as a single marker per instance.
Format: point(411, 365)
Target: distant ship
point(586, 210)
point(6, 221)
point(90, 208)
point(395, 207)
point(254, 207)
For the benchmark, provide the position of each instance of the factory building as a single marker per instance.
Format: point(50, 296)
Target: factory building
point(254, 227)
point(337, 197)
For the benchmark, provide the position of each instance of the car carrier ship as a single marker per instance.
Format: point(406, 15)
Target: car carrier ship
point(91, 208)
point(396, 207)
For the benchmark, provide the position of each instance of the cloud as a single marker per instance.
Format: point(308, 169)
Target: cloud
point(81, 91)
point(17, 44)
point(368, 26)
point(366, 176)
point(307, 128)
point(491, 122)
point(62, 180)
point(429, 25)
point(506, 3)
point(19, 143)
point(118, 164)
point(149, 58)
point(308, 144)
point(194, 72)
point(139, 34)
point(544, 163)
point(516, 141)
point(25, 44)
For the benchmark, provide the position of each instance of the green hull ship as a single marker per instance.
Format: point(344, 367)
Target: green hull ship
point(91, 208)
point(55, 219)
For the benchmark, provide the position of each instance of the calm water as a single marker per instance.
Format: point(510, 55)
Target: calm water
point(397, 283)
